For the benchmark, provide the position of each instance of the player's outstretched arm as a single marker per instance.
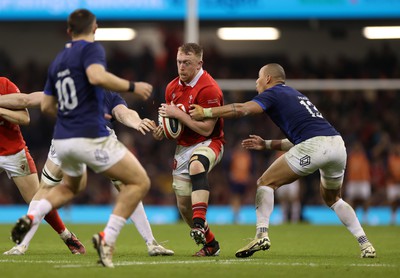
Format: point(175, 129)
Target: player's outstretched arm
point(234, 110)
point(21, 101)
point(131, 118)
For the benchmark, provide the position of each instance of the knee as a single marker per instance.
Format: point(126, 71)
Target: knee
point(145, 183)
point(198, 163)
point(140, 185)
point(200, 182)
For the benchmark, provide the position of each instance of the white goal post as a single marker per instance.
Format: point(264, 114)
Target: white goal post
point(316, 84)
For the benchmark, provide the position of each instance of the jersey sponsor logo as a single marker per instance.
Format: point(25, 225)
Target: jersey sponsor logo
point(101, 156)
point(305, 160)
point(212, 101)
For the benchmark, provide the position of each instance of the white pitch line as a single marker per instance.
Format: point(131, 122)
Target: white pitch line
point(72, 264)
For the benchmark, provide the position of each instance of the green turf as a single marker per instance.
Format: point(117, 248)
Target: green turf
point(296, 251)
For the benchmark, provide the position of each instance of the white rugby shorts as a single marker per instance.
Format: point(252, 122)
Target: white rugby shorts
point(99, 154)
point(324, 153)
point(181, 180)
point(52, 155)
point(18, 165)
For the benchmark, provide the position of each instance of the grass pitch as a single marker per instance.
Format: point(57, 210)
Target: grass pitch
point(297, 251)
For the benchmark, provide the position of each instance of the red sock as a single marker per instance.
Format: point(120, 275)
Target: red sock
point(209, 235)
point(53, 218)
point(199, 211)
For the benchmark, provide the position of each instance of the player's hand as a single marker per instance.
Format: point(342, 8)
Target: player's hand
point(255, 142)
point(196, 112)
point(158, 133)
point(169, 110)
point(143, 89)
point(146, 125)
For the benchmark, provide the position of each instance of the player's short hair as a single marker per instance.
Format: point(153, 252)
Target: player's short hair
point(80, 22)
point(276, 71)
point(191, 47)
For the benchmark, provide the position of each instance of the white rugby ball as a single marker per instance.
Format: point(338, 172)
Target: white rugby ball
point(172, 127)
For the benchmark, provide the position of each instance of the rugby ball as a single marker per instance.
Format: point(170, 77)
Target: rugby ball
point(172, 127)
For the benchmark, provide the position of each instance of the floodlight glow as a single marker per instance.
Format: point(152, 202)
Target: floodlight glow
point(248, 33)
point(114, 34)
point(381, 32)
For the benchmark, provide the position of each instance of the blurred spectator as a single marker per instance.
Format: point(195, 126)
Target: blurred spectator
point(378, 179)
point(288, 197)
point(393, 186)
point(239, 177)
point(357, 183)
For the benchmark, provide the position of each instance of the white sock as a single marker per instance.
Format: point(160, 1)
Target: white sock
point(28, 237)
point(348, 217)
point(113, 228)
point(40, 210)
point(264, 207)
point(139, 218)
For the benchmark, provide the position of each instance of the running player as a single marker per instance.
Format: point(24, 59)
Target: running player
point(199, 148)
point(17, 162)
point(312, 144)
point(117, 108)
point(75, 92)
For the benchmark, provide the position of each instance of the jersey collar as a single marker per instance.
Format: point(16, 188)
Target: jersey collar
point(195, 79)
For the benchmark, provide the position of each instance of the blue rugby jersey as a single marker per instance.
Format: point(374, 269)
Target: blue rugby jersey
point(80, 104)
point(111, 100)
point(294, 114)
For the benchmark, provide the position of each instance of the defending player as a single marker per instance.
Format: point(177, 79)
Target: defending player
point(312, 144)
point(115, 108)
point(74, 93)
point(17, 162)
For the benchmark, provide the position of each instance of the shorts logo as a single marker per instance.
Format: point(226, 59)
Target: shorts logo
point(305, 160)
point(101, 156)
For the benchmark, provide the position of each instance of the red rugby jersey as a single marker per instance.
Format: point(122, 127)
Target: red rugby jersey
point(205, 93)
point(11, 140)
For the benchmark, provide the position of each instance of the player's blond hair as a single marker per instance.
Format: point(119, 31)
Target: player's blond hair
point(191, 47)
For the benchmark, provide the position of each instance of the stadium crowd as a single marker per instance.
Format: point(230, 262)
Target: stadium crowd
point(370, 117)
